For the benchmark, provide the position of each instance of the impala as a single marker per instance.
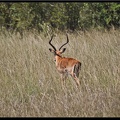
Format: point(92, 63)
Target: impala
point(65, 66)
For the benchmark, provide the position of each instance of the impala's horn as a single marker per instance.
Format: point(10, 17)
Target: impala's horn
point(65, 43)
point(51, 44)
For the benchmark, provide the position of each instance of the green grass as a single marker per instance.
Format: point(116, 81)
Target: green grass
point(30, 84)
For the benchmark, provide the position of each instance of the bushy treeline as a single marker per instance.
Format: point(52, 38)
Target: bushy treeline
point(42, 16)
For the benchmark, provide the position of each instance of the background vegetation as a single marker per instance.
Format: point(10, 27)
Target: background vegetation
point(44, 16)
point(30, 84)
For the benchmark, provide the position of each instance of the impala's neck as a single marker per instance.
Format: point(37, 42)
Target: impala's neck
point(57, 59)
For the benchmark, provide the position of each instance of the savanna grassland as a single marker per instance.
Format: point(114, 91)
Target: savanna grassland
point(30, 84)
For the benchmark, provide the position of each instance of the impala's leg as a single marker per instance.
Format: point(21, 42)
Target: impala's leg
point(75, 78)
point(65, 77)
point(62, 79)
point(75, 73)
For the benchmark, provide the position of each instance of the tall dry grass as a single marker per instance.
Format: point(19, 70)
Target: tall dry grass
point(30, 85)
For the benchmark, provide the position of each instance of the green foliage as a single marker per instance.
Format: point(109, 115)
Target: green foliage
point(15, 16)
point(72, 12)
point(43, 16)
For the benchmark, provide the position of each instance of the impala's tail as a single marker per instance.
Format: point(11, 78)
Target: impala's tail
point(77, 68)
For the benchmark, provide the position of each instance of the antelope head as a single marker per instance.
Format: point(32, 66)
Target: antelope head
point(60, 51)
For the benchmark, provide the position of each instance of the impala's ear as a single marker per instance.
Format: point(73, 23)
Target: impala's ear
point(63, 50)
point(51, 50)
